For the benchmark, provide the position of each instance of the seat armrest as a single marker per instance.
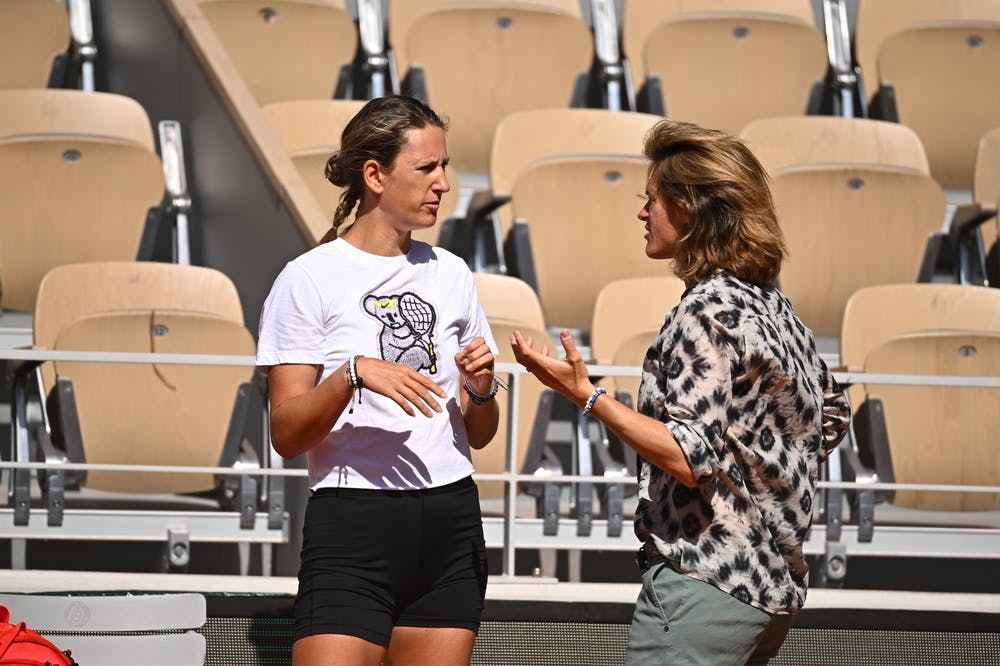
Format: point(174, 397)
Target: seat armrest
point(520, 257)
point(883, 106)
point(650, 97)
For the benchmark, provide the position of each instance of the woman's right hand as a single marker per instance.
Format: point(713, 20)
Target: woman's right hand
point(403, 385)
point(568, 375)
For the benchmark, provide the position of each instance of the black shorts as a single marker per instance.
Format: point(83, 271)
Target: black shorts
point(374, 559)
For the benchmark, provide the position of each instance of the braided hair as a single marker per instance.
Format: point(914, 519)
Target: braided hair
point(376, 132)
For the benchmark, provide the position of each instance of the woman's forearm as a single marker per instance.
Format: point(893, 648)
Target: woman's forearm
point(649, 437)
point(481, 421)
point(301, 422)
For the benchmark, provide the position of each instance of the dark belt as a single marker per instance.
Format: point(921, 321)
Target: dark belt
point(648, 556)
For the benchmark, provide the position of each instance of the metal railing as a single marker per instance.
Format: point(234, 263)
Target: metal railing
point(510, 533)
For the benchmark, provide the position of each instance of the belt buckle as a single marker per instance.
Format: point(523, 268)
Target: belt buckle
point(642, 557)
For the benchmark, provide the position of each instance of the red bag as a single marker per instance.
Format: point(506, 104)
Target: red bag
point(24, 647)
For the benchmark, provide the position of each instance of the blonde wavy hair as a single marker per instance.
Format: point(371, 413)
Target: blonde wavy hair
point(715, 179)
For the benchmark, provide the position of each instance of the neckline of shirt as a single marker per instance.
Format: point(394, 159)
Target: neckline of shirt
point(354, 252)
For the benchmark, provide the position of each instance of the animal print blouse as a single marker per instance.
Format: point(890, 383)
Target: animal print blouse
point(737, 380)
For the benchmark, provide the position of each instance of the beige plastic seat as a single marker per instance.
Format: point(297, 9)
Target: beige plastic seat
point(402, 15)
point(180, 413)
point(855, 203)
point(986, 182)
point(628, 313)
point(78, 175)
point(754, 58)
point(481, 61)
point(580, 213)
point(310, 131)
point(876, 313)
point(32, 34)
point(147, 413)
point(510, 304)
point(784, 141)
point(849, 227)
point(285, 49)
point(942, 60)
point(523, 137)
point(931, 67)
point(879, 312)
point(877, 20)
point(938, 434)
point(986, 193)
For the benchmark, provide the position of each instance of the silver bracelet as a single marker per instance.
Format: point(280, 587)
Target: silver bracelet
point(481, 398)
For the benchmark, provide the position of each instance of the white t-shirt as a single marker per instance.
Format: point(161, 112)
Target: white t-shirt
point(419, 310)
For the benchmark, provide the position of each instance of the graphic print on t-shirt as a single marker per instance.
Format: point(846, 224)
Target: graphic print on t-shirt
point(407, 326)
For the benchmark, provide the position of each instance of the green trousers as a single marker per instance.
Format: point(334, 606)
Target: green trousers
point(680, 621)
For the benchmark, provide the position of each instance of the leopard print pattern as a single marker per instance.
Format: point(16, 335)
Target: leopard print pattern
point(737, 380)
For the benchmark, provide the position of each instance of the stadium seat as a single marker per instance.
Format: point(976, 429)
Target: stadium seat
point(575, 230)
point(936, 434)
point(525, 136)
point(855, 203)
point(142, 413)
point(876, 314)
point(511, 304)
point(79, 176)
point(722, 63)
point(478, 62)
point(402, 15)
point(986, 194)
point(33, 33)
point(112, 628)
point(310, 131)
point(877, 21)
point(286, 49)
point(933, 66)
point(986, 183)
point(628, 315)
point(627, 307)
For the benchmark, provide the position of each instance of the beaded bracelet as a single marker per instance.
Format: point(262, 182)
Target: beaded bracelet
point(354, 379)
point(481, 398)
point(589, 405)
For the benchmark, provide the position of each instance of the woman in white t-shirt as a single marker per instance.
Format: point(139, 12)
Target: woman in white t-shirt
point(380, 365)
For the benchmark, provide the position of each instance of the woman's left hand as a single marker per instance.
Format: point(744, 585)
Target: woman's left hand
point(476, 362)
point(567, 376)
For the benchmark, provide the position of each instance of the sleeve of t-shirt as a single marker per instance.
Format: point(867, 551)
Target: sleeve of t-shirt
point(291, 322)
point(477, 324)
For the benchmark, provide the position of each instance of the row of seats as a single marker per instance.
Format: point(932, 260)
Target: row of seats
point(855, 198)
point(83, 195)
point(756, 58)
point(196, 415)
point(527, 168)
point(894, 249)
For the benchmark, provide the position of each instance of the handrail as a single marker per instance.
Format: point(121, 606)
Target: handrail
point(499, 476)
point(596, 370)
point(512, 526)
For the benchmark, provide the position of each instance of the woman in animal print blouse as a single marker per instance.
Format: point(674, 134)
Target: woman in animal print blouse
point(736, 412)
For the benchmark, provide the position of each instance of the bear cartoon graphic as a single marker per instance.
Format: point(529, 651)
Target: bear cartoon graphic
point(407, 326)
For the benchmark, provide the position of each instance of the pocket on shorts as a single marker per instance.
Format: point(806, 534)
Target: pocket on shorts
point(649, 583)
